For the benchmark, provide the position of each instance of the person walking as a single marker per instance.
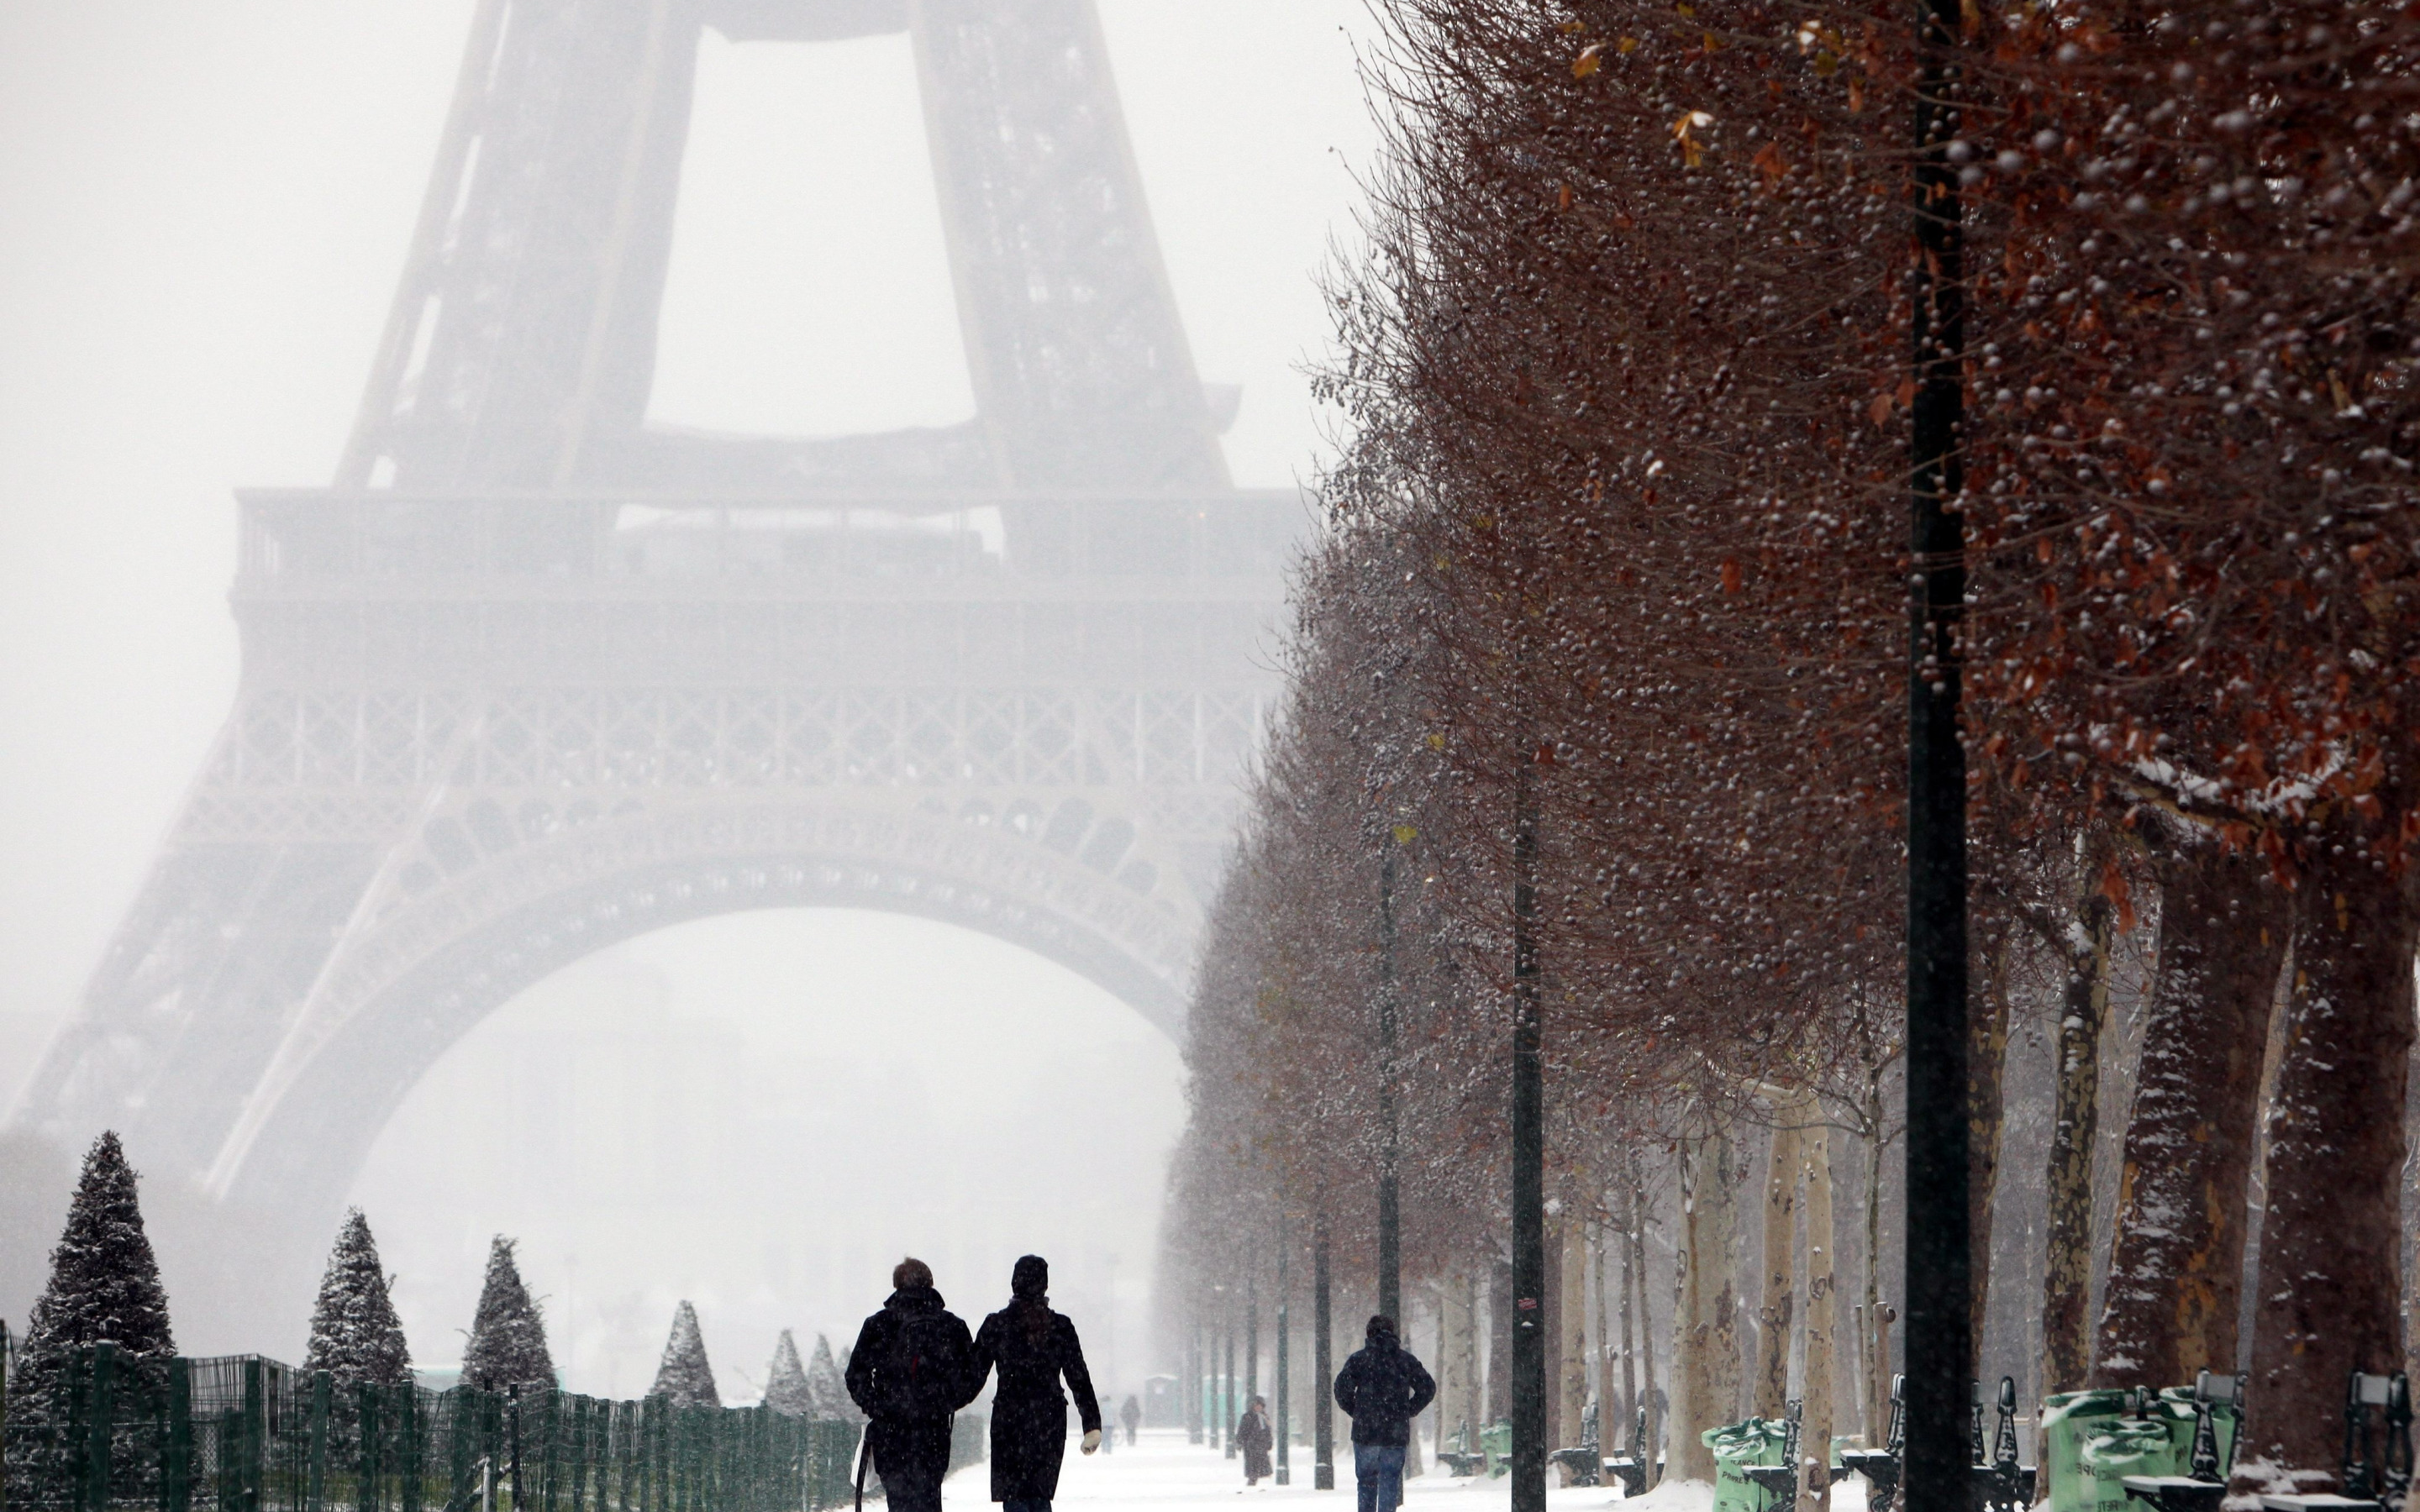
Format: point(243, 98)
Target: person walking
point(912, 1369)
point(1131, 1416)
point(1382, 1388)
point(1032, 1347)
point(1252, 1436)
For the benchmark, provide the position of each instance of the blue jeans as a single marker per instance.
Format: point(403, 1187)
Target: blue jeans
point(1380, 1469)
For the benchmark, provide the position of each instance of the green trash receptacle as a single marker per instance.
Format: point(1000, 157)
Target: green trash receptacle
point(2122, 1448)
point(1736, 1446)
point(1497, 1440)
point(2068, 1419)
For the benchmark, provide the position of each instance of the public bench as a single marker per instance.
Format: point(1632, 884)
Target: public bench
point(1462, 1458)
point(2203, 1485)
point(1780, 1482)
point(2376, 1474)
point(1582, 1463)
point(1632, 1468)
point(2000, 1484)
point(1881, 1466)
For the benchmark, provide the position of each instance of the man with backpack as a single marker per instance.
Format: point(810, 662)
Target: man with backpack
point(1382, 1388)
point(912, 1369)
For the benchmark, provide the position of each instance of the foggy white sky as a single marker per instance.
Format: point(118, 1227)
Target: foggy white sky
point(208, 205)
point(759, 1113)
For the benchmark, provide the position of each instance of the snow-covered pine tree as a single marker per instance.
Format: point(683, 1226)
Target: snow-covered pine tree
point(104, 1285)
point(685, 1379)
point(507, 1339)
point(785, 1380)
point(355, 1335)
point(828, 1397)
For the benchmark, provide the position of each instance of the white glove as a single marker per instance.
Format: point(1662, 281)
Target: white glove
point(1092, 1439)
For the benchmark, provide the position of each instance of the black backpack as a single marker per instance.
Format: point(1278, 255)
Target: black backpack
point(921, 1369)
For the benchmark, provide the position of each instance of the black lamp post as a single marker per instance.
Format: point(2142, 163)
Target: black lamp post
point(1528, 1393)
point(1939, 1348)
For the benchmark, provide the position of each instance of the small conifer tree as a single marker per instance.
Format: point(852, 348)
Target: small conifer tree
point(828, 1398)
point(507, 1339)
point(104, 1285)
point(355, 1335)
point(684, 1378)
point(785, 1380)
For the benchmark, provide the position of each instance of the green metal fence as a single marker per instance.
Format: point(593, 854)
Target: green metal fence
point(239, 1434)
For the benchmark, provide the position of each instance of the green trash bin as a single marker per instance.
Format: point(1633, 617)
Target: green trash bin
point(1736, 1446)
point(2122, 1448)
point(2068, 1419)
point(1497, 1442)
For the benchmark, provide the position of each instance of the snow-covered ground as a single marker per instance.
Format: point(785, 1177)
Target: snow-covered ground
point(1164, 1473)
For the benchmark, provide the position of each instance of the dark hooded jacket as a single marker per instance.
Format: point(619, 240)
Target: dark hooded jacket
point(1382, 1388)
point(924, 1437)
point(1032, 1348)
point(1252, 1436)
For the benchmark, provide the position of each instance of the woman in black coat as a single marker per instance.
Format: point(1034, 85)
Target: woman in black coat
point(1032, 1347)
point(1253, 1437)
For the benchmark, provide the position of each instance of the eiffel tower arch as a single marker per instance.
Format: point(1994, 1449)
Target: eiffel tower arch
point(533, 676)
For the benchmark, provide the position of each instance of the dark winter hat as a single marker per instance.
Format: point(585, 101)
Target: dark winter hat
point(1030, 1279)
point(1380, 1327)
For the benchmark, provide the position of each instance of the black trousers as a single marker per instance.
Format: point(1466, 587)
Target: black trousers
point(911, 1458)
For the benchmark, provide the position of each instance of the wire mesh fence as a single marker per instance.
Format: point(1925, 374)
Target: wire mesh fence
point(239, 1434)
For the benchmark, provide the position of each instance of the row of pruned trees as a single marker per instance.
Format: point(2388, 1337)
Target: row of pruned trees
point(1612, 605)
point(104, 1285)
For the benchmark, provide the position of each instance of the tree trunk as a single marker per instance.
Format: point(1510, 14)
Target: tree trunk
point(1413, 1462)
point(2075, 1120)
point(1499, 1341)
point(1601, 1346)
point(2410, 1187)
point(2176, 1265)
point(1776, 1312)
point(1645, 1388)
point(1550, 1302)
point(1627, 1240)
point(1458, 1396)
point(1574, 1335)
point(1442, 1407)
point(1705, 1324)
point(2330, 1240)
point(1987, 1054)
point(1878, 1317)
point(1822, 1286)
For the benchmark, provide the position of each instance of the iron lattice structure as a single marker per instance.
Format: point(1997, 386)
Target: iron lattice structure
point(534, 676)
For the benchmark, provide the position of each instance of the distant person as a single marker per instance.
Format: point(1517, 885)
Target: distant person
point(1032, 1347)
point(912, 1368)
point(1382, 1388)
point(1252, 1436)
point(1131, 1416)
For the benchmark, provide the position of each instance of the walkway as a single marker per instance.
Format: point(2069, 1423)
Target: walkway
point(1164, 1473)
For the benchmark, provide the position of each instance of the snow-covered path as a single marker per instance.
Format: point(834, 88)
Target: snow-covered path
point(1165, 1474)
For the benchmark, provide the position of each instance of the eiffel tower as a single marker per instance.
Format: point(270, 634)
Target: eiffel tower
point(534, 676)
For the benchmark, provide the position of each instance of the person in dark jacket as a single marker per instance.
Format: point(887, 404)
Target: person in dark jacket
point(1382, 1388)
point(1252, 1436)
point(1131, 1416)
point(912, 1368)
point(1032, 1348)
